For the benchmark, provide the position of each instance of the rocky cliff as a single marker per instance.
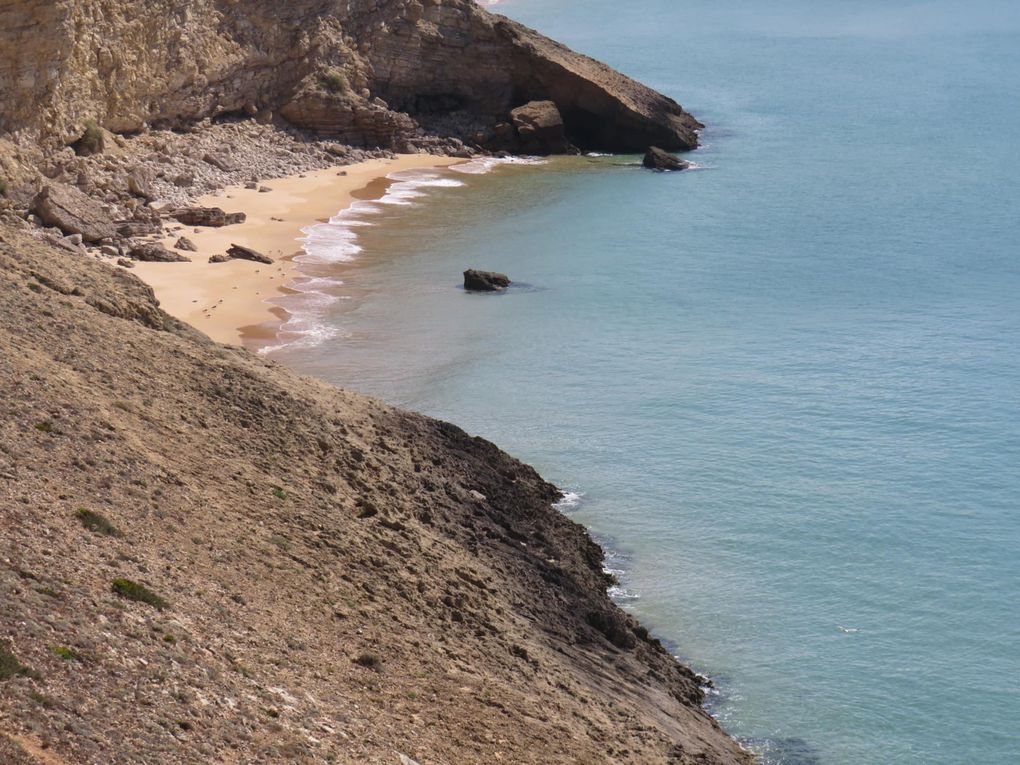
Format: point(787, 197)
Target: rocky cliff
point(368, 72)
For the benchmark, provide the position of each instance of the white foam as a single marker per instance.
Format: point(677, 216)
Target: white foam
point(483, 165)
point(336, 241)
point(569, 501)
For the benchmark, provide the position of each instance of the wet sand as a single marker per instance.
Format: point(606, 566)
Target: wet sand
point(227, 301)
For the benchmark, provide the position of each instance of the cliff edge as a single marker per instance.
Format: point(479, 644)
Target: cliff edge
point(386, 73)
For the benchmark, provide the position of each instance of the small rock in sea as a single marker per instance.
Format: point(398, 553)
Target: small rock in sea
point(658, 159)
point(485, 281)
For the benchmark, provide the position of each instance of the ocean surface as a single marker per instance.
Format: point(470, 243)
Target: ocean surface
point(783, 388)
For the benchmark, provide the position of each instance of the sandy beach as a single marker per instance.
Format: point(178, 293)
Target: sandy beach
point(227, 301)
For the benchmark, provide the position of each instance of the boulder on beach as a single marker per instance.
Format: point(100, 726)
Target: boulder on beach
point(155, 252)
point(183, 243)
point(246, 253)
point(660, 160)
point(485, 281)
point(207, 216)
point(73, 212)
point(540, 128)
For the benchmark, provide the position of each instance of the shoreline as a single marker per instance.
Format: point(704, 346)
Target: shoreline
point(229, 301)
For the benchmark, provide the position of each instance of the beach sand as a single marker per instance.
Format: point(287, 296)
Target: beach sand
point(226, 301)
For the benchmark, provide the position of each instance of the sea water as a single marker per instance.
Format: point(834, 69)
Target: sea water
point(783, 387)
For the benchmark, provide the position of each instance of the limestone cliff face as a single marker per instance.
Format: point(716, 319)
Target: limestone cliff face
point(367, 72)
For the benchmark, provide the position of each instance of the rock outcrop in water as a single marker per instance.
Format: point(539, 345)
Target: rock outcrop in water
point(485, 281)
point(658, 159)
point(391, 73)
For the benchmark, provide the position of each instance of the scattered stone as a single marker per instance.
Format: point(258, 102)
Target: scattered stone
point(251, 185)
point(185, 244)
point(125, 263)
point(219, 258)
point(660, 160)
point(133, 228)
point(155, 252)
point(110, 251)
point(264, 189)
point(485, 281)
point(73, 212)
point(207, 216)
point(139, 183)
point(219, 161)
point(246, 253)
point(184, 180)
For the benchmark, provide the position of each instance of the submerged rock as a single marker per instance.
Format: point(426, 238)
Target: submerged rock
point(659, 159)
point(485, 281)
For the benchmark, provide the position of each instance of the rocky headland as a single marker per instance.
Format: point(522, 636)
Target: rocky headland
point(205, 557)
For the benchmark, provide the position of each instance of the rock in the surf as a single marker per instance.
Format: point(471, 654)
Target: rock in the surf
point(485, 281)
point(660, 160)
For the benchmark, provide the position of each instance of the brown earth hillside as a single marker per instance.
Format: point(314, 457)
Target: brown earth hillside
point(206, 558)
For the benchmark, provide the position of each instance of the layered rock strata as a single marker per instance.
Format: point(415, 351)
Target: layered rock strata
point(367, 72)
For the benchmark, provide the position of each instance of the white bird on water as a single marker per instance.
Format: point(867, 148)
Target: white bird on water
point(848, 630)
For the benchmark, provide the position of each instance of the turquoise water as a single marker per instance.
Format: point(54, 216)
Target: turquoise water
point(786, 385)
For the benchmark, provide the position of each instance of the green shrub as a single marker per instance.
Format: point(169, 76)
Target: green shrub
point(44, 427)
point(11, 667)
point(282, 542)
point(96, 523)
point(279, 493)
point(334, 81)
point(134, 591)
point(44, 701)
point(369, 660)
point(91, 141)
point(65, 653)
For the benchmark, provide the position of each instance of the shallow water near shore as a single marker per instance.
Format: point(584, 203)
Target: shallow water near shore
point(785, 386)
